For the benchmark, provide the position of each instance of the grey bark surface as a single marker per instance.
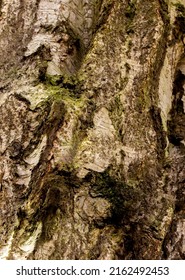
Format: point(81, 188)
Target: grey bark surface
point(92, 129)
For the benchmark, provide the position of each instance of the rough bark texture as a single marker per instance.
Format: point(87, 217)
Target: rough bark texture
point(92, 129)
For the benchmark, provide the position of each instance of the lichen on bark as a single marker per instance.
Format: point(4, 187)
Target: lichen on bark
point(92, 135)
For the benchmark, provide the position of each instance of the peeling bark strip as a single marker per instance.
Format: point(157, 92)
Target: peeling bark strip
point(92, 136)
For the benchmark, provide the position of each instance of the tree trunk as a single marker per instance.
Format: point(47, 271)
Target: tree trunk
point(92, 129)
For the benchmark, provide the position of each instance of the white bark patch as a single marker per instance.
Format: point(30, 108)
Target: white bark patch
point(34, 157)
point(178, 240)
point(37, 41)
point(89, 208)
point(77, 15)
point(93, 156)
point(28, 246)
point(6, 249)
point(166, 82)
point(34, 95)
point(48, 12)
point(32, 160)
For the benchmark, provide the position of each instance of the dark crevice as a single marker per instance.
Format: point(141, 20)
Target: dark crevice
point(160, 133)
point(1, 4)
point(176, 124)
point(164, 12)
point(105, 11)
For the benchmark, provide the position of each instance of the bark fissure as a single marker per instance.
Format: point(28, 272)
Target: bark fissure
point(92, 132)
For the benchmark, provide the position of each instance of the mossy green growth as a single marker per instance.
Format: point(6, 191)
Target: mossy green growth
point(53, 80)
point(72, 83)
point(65, 81)
point(72, 104)
point(65, 89)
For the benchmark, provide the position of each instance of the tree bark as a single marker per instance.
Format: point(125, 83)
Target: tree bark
point(92, 129)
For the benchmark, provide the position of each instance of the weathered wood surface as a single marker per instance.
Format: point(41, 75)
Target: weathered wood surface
point(92, 129)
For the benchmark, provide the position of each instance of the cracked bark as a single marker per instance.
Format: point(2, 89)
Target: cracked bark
point(92, 132)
